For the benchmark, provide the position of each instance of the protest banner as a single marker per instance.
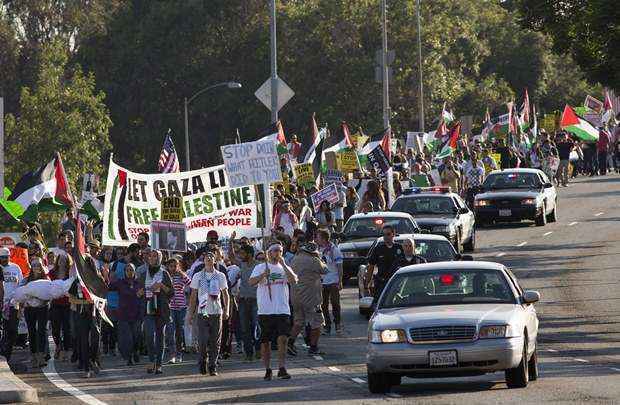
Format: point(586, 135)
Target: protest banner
point(252, 163)
point(332, 176)
point(133, 200)
point(19, 256)
point(172, 209)
point(170, 236)
point(347, 161)
point(9, 239)
point(378, 160)
point(304, 175)
point(593, 104)
point(329, 193)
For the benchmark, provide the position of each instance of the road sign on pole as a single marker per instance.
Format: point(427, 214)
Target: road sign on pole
point(284, 93)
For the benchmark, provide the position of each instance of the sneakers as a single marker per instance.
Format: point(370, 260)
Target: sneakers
point(268, 374)
point(283, 375)
point(173, 360)
point(88, 374)
point(212, 371)
point(314, 351)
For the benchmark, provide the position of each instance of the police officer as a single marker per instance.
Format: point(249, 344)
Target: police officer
point(408, 257)
point(382, 257)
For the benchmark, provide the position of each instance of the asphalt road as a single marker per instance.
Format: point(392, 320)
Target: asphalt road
point(574, 263)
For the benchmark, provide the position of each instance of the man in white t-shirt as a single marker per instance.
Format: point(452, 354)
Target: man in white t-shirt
point(272, 295)
point(10, 277)
point(332, 281)
point(209, 299)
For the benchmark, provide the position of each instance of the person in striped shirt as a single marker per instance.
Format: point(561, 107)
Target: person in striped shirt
point(175, 334)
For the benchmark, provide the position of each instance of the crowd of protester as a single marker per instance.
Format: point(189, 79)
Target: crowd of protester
point(242, 296)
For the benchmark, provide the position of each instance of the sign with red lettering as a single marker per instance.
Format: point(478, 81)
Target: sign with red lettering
point(19, 256)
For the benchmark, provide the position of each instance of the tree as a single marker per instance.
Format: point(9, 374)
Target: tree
point(62, 113)
point(587, 30)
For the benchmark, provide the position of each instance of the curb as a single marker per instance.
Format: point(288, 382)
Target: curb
point(12, 389)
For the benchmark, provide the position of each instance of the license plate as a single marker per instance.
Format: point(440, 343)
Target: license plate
point(442, 359)
point(505, 213)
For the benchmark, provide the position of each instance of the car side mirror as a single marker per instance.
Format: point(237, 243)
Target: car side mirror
point(547, 185)
point(464, 258)
point(530, 297)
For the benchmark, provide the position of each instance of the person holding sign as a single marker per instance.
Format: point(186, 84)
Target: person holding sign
point(286, 218)
point(210, 300)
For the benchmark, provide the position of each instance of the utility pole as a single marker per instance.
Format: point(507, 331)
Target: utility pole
point(1, 147)
point(274, 65)
point(386, 95)
point(420, 72)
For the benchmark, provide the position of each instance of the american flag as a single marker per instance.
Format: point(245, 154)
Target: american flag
point(168, 159)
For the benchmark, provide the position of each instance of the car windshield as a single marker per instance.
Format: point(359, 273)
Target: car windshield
point(372, 227)
point(432, 250)
point(425, 206)
point(447, 287)
point(512, 180)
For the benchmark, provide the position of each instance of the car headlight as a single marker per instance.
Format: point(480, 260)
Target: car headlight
point(482, 203)
point(529, 201)
point(497, 331)
point(388, 336)
point(350, 255)
point(443, 229)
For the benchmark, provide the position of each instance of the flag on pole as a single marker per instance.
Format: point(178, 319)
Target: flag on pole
point(487, 130)
point(276, 133)
point(450, 146)
point(525, 109)
point(312, 146)
point(382, 139)
point(45, 189)
point(168, 159)
point(578, 126)
point(337, 142)
point(608, 110)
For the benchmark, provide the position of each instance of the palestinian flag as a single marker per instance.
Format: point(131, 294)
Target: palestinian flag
point(45, 189)
point(608, 110)
point(525, 109)
point(93, 209)
point(501, 125)
point(276, 133)
point(576, 125)
point(383, 139)
point(337, 142)
point(487, 130)
point(450, 146)
point(310, 143)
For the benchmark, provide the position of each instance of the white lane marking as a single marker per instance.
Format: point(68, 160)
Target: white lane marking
point(615, 369)
point(522, 244)
point(552, 351)
point(393, 395)
point(317, 357)
point(59, 382)
point(582, 360)
point(573, 223)
point(358, 380)
point(598, 214)
point(500, 254)
point(332, 368)
point(547, 233)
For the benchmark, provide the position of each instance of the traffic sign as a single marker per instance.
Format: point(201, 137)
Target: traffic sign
point(285, 93)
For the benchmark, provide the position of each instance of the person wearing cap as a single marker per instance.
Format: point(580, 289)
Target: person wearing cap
point(10, 276)
point(272, 279)
point(307, 295)
point(209, 300)
point(212, 236)
point(286, 218)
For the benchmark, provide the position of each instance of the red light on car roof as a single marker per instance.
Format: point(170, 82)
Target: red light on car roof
point(438, 189)
point(379, 221)
point(446, 279)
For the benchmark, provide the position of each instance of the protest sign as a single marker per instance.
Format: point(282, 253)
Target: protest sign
point(332, 176)
point(9, 239)
point(304, 175)
point(331, 161)
point(415, 141)
point(252, 163)
point(420, 180)
point(172, 209)
point(90, 185)
point(361, 141)
point(497, 157)
point(593, 104)
point(436, 177)
point(19, 256)
point(329, 193)
point(133, 200)
point(171, 236)
point(286, 183)
point(347, 161)
point(378, 160)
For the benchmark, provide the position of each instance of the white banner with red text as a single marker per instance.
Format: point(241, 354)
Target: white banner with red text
point(133, 200)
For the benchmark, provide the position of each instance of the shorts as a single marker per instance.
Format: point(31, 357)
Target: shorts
point(272, 326)
point(304, 314)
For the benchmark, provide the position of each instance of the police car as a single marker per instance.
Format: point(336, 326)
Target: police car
point(440, 211)
point(517, 194)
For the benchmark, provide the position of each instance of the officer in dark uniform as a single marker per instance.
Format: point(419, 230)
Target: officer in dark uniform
point(408, 257)
point(383, 258)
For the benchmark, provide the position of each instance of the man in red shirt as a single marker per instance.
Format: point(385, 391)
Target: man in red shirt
point(602, 148)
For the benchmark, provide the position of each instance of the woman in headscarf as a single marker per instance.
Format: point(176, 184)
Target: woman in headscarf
point(157, 293)
point(128, 315)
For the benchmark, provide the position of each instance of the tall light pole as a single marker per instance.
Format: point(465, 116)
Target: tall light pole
point(420, 72)
point(187, 101)
point(1, 147)
point(274, 64)
point(384, 67)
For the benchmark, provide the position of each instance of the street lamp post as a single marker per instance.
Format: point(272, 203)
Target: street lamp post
point(187, 101)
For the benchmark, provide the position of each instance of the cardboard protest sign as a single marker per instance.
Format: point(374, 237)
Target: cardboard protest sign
point(171, 236)
point(331, 160)
point(133, 200)
point(347, 161)
point(378, 160)
point(593, 104)
point(19, 256)
point(332, 176)
point(415, 141)
point(329, 193)
point(251, 163)
point(286, 182)
point(304, 175)
point(90, 185)
point(172, 209)
point(497, 157)
point(361, 141)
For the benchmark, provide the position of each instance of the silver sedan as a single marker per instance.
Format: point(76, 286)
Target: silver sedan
point(453, 319)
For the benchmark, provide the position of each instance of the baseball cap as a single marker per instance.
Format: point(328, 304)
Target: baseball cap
point(212, 234)
point(4, 252)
